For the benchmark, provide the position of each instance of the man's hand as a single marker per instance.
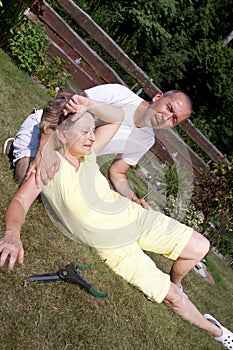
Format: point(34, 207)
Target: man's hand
point(46, 163)
point(12, 247)
point(45, 167)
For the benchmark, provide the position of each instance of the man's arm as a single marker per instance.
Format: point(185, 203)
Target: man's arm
point(118, 176)
point(46, 162)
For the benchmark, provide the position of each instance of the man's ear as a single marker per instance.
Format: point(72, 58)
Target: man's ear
point(157, 96)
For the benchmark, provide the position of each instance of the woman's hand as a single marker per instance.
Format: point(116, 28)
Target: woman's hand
point(106, 112)
point(141, 202)
point(12, 247)
point(78, 105)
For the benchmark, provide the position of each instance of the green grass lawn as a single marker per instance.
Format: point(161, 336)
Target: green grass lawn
point(61, 316)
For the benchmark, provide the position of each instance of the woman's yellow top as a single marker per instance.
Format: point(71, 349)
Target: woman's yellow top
point(92, 212)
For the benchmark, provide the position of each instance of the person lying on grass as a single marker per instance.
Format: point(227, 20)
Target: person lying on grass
point(120, 230)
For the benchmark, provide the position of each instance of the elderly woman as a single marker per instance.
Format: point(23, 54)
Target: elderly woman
point(119, 229)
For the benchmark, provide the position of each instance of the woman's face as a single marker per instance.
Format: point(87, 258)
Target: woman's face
point(81, 136)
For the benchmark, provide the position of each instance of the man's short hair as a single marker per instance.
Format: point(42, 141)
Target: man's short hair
point(173, 92)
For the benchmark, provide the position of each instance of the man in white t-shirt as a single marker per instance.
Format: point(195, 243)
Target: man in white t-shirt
point(132, 140)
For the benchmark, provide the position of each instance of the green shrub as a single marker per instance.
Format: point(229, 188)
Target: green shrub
point(188, 215)
point(172, 180)
point(53, 74)
point(213, 195)
point(213, 191)
point(28, 45)
point(11, 15)
point(173, 195)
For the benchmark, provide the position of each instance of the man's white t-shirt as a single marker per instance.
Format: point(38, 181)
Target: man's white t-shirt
point(130, 142)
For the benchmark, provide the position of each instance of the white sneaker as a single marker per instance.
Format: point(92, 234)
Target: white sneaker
point(7, 145)
point(200, 268)
point(227, 336)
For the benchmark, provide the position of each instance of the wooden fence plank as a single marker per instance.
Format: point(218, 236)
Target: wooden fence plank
point(97, 33)
point(58, 25)
point(71, 56)
point(59, 48)
point(86, 22)
point(160, 153)
point(81, 78)
point(201, 140)
point(180, 150)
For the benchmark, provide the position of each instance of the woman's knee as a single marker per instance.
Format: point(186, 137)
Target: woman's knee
point(202, 244)
point(174, 297)
point(197, 247)
point(21, 168)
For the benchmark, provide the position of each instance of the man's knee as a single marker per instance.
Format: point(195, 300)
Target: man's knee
point(20, 170)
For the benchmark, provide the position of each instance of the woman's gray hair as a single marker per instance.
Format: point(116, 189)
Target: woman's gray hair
point(53, 111)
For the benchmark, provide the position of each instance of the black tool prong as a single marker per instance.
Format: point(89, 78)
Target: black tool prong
point(70, 274)
point(48, 277)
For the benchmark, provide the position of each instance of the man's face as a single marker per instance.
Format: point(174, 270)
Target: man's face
point(167, 111)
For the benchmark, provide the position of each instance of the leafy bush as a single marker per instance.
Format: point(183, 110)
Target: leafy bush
point(190, 216)
point(11, 15)
point(29, 45)
point(174, 192)
point(213, 191)
point(178, 197)
point(213, 194)
point(53, 74)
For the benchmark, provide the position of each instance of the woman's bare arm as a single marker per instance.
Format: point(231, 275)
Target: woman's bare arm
point(10, 244)
point(105, 111)
point(108, 113)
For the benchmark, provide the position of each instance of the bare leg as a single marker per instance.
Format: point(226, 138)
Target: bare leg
point(195, 250)
point(188, 311)
point(21, 168)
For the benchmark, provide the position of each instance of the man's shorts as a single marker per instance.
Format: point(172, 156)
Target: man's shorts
point(27, 139)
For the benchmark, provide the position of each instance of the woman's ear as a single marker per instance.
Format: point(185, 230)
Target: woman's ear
point(62, 137)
